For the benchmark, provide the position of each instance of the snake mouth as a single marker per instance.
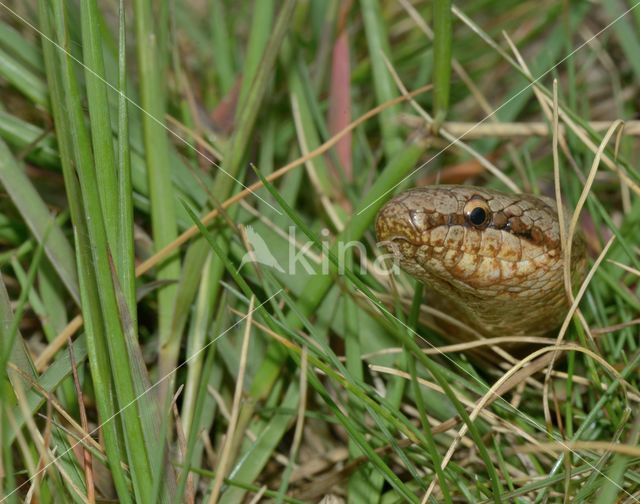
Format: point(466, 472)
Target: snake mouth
point(394, 240)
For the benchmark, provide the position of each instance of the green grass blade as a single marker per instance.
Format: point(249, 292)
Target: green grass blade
point(442, 40)
point(378, 45)
point(223, 59)
point(100, 121)
point(124, 249)
point(37, 216)
point(159, 172)
point(23, 79)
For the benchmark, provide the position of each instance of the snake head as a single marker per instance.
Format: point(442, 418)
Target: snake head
point(494, 259)
point(481, 241)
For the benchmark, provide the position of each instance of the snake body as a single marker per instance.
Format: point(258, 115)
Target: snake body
point(492, 260)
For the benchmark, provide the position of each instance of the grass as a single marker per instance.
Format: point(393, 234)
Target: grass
point(142, 147)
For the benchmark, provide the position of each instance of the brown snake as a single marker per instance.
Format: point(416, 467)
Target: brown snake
point(492, 260)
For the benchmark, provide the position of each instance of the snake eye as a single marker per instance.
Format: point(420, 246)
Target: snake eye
point(477, 212)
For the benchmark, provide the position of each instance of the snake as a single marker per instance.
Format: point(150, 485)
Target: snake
point(492, 260)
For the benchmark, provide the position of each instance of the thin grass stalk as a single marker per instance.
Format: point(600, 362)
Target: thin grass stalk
point(223, 60)
point(124, 250)
point(204, 306)
point(359, 482)
point(378, 45)
point(260, 34)
point(226, 454)
point(159, 175)
point(201, 393)
point(100, 121)
point(442, 40)
point(7, 397)
point(299, 428)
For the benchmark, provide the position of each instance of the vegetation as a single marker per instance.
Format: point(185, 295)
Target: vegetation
point(149, 358)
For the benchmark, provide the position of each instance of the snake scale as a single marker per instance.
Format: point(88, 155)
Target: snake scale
point(492, 260)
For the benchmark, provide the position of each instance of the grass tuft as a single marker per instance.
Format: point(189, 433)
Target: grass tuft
point(151, 152)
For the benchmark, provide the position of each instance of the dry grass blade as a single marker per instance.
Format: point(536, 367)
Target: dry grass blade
point(225, 456)
point(87, 459)
point(567, 254)
point(625, 267)
point(576, 446)
point(514, 130)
